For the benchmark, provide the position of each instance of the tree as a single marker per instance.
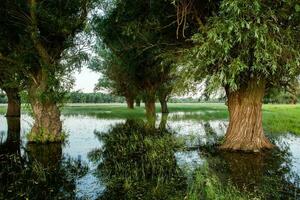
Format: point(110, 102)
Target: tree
point(247, 47)
point(11, 72)
point(46, 46)
point(138, 34)
point(115, 76)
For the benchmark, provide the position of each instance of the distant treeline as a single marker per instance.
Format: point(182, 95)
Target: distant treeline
point(80, 97)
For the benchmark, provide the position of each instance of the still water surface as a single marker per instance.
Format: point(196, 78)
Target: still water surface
point(95, 160)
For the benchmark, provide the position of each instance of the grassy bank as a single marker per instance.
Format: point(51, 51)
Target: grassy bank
point(276, 118)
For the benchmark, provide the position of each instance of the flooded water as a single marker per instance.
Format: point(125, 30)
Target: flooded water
point(126, 159)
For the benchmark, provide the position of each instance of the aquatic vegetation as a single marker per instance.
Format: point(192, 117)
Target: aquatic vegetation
point(45, 137)
point(137, 161)
point(206, 185)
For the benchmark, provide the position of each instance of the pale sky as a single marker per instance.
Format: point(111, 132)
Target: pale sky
point(85, 80)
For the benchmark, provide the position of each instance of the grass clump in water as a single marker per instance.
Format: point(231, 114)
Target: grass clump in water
point(138, 162)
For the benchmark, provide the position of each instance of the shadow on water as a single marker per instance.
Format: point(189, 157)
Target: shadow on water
point(137, 162)
point(35, 171)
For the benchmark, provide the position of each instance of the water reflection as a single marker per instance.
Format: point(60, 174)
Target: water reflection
point(268, 174)
point(38, 172)
point(137, 161)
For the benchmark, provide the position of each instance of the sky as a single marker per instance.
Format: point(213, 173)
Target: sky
point(85, 80)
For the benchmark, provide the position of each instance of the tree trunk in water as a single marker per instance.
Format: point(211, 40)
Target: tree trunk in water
point(130, 102)
point(138, 102)
point(164, 106)
point(150, 110)
point(245, 131)
point(13, 129)
point(47, 126)
point(14, 102)
point(163, 121)
point(12, 144)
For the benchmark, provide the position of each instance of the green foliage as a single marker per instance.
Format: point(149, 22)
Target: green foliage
point(248, 39)
point(206, 185)
point(138, 161)
point(135, 37)
point(79, 97)
point(43, 136)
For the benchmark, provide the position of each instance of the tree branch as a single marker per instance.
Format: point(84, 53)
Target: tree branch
point(35, 34)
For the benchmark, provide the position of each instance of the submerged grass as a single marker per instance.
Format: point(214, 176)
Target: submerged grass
point(206, 185)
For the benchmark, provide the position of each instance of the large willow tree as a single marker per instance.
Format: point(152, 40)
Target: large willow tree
point(250, 45)
point(45, 31)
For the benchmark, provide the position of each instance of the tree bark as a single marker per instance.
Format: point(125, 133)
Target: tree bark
point(14, 102)
point(47, 122)
point(164, 106)
point(130, 102)
point(47, 126)
point(163, 121)
point(12, 143)
point(245, 131)
point(150, 109)
point(138, 102)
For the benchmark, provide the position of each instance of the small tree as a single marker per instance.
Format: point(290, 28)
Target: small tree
point(248, 46)
point(115, 76)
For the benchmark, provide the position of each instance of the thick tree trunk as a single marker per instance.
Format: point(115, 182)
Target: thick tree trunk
point(13, 129)
point(47, 126)
point(150, 108)
point(130, 102)
point(245, 131)
point(138, 102)
point(14, 102)
point(12, 143)
point(164, 106)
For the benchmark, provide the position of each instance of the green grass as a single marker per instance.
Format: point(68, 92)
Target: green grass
point(276, 118)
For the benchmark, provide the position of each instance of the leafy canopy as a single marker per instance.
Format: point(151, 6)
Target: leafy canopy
point(246, 39)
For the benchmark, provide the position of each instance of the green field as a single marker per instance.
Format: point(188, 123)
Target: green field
point(276, 118)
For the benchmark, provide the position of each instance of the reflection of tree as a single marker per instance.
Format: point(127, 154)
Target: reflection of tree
point(210, 133)
point(267, 173)
point(39, 173)
point(48, 156)
point(137, 162)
